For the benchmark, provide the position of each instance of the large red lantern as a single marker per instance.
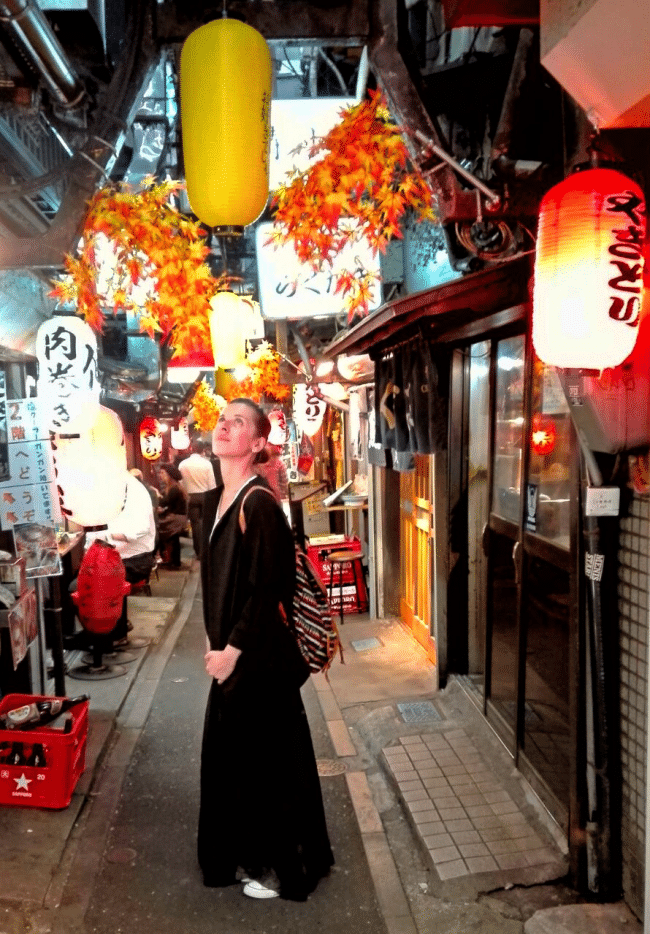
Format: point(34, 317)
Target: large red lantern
point(151, 441)
point(589, 271)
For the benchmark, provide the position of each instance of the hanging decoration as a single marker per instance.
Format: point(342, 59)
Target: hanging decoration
point(589, 270)
point(261, 378)
point(359, 189)
point(225, 104)
point(68, 388)
point(91, 472)
point(230, 324)
point(180, 435)
point(308, 408)
point(279, 428)
point(543, 436)
point(139, 254)
point(151, 439)
point(206, 406)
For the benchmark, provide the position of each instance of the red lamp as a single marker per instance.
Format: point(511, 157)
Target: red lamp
point(543, 435)
point(151, 441)
point(588, 293)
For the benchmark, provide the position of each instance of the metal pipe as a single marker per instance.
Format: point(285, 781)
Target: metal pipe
point(27, 25)
point(429, 144)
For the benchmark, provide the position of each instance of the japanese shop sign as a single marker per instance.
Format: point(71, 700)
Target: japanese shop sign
point(27, 483)
point(289, 289)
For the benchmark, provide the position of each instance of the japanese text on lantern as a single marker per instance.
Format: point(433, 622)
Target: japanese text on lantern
point(70, 362)
point(627, 249)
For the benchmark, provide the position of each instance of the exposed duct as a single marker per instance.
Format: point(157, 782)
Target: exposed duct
point(32, 33)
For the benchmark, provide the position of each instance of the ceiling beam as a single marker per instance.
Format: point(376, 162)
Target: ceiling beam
point(338, 23)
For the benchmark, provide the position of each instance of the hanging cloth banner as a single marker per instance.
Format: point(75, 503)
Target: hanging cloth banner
point(411, 392)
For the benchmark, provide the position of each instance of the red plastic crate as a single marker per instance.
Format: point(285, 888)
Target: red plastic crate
point(318, 554)
point(50, 785)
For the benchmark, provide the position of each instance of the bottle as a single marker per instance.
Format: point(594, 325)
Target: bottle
point(17, 755)
point(38, 713)
point(37, 756)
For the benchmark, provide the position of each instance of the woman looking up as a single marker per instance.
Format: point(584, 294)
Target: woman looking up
point(261, 816)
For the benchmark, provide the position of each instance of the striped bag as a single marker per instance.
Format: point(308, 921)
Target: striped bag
point(314, 627)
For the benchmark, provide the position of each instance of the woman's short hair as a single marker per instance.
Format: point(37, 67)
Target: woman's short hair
point(261, 421)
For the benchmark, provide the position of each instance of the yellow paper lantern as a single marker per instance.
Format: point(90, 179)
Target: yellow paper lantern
point(588, 294)
point(229, 320)
point(225, 103)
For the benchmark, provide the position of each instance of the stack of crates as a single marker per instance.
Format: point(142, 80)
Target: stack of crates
point(318, 551)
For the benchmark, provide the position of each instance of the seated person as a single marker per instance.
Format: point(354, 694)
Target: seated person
point(172, 512)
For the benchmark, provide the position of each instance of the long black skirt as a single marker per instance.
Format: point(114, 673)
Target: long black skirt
point(261, 803)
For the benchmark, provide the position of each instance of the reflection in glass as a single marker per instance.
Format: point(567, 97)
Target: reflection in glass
point(477, 503)
point(509, 428)
point(548, 487)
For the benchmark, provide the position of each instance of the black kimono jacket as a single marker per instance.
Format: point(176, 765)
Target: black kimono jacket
point(261, 804)
point(245, 577)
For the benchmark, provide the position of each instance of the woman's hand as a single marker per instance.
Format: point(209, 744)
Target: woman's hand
point(221, 664)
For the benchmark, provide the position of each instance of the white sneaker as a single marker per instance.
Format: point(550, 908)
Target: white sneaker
point(255, 889)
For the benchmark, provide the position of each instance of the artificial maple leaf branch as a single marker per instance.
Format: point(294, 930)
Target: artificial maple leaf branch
point(359, 188)
point(139, 253)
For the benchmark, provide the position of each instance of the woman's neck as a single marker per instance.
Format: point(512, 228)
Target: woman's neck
point(234, 474)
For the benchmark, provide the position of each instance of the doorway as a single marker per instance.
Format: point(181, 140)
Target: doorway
point(522, 486)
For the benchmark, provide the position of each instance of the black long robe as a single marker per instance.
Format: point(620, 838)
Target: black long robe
point(261, 802)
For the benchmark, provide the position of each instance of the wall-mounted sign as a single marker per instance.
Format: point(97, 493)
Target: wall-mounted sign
point(289, 289)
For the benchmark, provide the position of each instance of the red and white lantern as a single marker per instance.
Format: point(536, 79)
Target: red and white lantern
point(151, 439)
point(308, 408)
point(589, 271)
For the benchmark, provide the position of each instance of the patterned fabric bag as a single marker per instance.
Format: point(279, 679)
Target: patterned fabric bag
point(313, 624)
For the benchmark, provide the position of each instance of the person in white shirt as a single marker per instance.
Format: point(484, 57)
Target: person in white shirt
point(133, 533)
point(198, 478)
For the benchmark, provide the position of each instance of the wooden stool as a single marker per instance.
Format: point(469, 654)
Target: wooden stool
point(338, 559)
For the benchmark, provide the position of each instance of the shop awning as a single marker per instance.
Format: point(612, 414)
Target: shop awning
point(465, 308)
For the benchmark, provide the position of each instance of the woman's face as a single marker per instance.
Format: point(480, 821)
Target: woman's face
point(235, 434)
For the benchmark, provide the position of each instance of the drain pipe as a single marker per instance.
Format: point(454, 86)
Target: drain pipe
point(28, 27)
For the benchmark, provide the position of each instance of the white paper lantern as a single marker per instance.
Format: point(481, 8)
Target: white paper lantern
point(308, 408)
point(68, 388)
point(91, 472)
point(180, 436)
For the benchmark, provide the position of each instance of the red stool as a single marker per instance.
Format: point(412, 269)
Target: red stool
point(339, 559)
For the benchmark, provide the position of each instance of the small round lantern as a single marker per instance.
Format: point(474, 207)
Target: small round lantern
point(68, 388)
point(151, 439)
point(180, 436)
point(543, 436)
point(589, 271)
point(225, 103)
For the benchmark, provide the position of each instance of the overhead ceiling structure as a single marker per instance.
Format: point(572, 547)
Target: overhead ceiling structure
point(88, 93)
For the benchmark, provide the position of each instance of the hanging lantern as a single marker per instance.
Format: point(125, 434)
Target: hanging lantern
point(279, 430)
point(229, 317)
point(225, 102)
point(91, 472)
point(68, 388)
point(543, 435)
point(589, 271)
point(308, 408)
point(180, 436)
point(151, 439)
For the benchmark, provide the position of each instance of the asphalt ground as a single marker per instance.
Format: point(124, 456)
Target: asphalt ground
point(148, 879)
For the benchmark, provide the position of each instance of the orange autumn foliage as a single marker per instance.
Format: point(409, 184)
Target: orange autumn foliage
point(157, 267)
point(259, 379)
point(359, 188)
